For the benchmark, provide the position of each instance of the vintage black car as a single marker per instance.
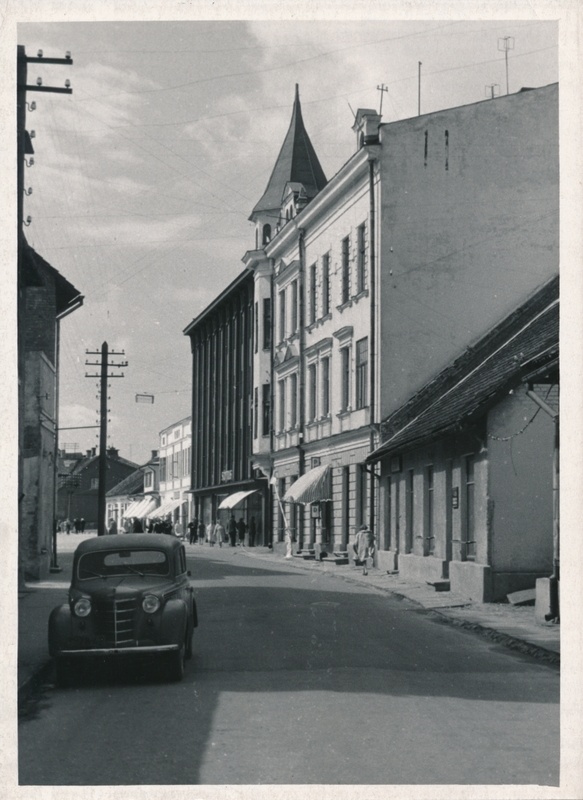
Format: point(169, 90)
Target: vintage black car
point(130, 594)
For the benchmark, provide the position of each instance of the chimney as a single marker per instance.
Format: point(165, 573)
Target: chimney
point(113, 452)
point(89, 453)
point(93, 451)
point(366, 127)
point(154, 455)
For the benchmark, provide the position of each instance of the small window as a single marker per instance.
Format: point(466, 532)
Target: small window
point(282, 327)
point(361, 260)
point(312, 392)
point(326, 285)
point(266, 403)
point(294, 307)
point(362, 373)
point(293, 401)
point(313, 310)
point(325, 369)
point(266, 323)
point(345, 377)
point(345, 270)
point(266, 234)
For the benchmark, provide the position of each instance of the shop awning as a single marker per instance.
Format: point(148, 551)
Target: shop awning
point(312, 487)
point(144, 507)
point(234, 499)
point(131, 509)
point(165, 508)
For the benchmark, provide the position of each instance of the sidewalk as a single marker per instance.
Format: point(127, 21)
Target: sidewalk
point(513, 626)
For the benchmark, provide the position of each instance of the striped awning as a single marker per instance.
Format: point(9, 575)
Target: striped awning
point(144, 507)
point(131, 509)
point(312, 487)
point(165, 508)
point(234, 499)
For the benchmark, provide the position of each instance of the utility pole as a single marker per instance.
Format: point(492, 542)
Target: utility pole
point(382, 89)
point(104, 375)
point(504, 45)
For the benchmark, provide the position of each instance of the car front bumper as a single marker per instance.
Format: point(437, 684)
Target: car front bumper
point(119, 651)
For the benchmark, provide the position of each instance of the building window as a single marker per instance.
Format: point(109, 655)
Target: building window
point(469, 515)
point(282, 315)
point(148, 480)
point(362, 373)
point(312, 311)
point(326, 285)
point(311, 392)
point(361, 476)
point(429, 508)
point(266, 323)
point(360, 263)
point(176, 466)
point(266, 404)
point(280, 517)
point(345, 504)
point(293, 400)
point(255, 412)
point(409, 510)
point(345, 378)
point(256, 328)
point(325, 370)
point(281, 394)
point(294, 307)
point(266, 234)
point(186, 461)
point(163, 468)
point(345, 270)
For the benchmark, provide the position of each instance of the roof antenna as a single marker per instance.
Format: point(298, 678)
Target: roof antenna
point(350, 107)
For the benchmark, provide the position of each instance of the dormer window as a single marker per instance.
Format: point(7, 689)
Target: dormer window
point(266, 234)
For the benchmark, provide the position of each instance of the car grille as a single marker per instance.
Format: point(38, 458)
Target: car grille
point(114, 622)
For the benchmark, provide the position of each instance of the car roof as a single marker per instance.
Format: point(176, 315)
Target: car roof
point(129, 541)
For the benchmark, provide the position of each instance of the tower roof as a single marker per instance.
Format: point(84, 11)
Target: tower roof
point(297, 162)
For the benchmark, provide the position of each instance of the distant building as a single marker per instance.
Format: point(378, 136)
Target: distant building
point(78, 490)
point(174, 471)
point(135, 496)
point(45, 298)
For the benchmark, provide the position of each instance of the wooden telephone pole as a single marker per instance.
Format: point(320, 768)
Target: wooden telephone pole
point(103, 376)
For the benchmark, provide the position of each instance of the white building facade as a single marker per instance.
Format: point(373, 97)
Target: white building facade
point(174, 472)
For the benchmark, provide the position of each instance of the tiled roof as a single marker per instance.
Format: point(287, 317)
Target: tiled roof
point(522, 345)
point(133, 484)
point(297, 162)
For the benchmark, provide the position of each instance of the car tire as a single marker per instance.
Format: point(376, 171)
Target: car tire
point(176, 664)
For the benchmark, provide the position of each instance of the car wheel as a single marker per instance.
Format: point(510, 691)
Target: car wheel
point(63, 672)
point(188, 649)
point(176, 664)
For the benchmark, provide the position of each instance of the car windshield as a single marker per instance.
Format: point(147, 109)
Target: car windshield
point(106, 563)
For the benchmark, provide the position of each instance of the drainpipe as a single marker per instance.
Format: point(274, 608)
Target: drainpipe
point(554, 611)
point(372, 403)
point(301, 376)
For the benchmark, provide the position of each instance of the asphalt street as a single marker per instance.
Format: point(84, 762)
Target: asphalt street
point(301, 677)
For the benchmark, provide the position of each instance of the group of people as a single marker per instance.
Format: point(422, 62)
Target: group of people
point(78, 525)
point(215, 533)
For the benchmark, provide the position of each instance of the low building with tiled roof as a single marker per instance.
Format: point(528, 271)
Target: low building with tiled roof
point(467, 476)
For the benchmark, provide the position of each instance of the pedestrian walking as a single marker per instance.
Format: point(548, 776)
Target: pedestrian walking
point(193, 531)
point(112, 527)
point(220, 533)
point(179, 530)
point(82, 524)
point(242, 530)
point(68, 526)
point(201, 532)
point(364, 547)
point(210, 533)
point(252, 532)
point(137, 526)
point(77, 524)
point(232, 530)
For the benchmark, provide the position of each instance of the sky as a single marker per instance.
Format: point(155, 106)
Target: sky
point(144, 177)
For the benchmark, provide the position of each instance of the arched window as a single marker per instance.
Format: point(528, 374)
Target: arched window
point(266, 234)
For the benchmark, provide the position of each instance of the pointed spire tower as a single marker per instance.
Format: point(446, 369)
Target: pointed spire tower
point(297, 166)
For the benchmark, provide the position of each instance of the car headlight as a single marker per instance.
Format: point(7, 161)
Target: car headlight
point(150, 603)
point(82, 607)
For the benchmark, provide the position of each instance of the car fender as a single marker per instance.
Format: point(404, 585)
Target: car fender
point(59, 628)
point(174, 621)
